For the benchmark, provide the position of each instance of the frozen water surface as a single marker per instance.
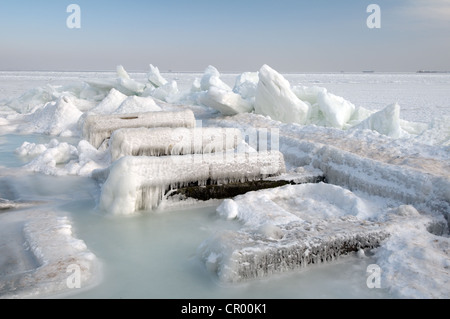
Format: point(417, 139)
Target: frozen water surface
point(401, 163)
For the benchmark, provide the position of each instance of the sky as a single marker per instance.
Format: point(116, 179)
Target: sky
point(232, 35)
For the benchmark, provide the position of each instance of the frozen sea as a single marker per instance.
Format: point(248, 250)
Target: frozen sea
point(155, 253)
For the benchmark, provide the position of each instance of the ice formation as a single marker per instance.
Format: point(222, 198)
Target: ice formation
point(136, 183)
point(246, 85)
point(211, 78)
point(58, 118)
point(155, 78)
point(291, 227)
point(336, 110)
point(226, 102)
point(98, 128)
point(285, 229)
point(57, 252)
point(386, 121)
point(136, 104)
point(275, 98)
point(166, 141)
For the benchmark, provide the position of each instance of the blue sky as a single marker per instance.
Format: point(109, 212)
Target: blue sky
point(233, 35)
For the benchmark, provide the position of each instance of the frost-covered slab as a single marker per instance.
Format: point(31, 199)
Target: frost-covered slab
point(243, 255)
point(58, 261)
point(137, 183)
point(177, 141)
point(97, 128)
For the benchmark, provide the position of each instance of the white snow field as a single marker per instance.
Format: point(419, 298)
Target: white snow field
point(79, 151)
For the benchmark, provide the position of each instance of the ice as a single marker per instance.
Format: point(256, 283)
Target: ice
point(414, 262)
point(55, 118)
point(211, 78)
point(49, 161)
point(155, 78)
point(387, 176)
point(386, 121)
point(291, 227)
point(166, 141)
point(98, 128)
point(226, 102)
point(246, 85)
point(110, 103)
point(32, 99)
point(309, 94)
point(136, 104)
point(121, 73)
point(336, 110)
point(137, 183)
point(32, 150)
point(275, 98)
point(50, 239)
point(166, 92)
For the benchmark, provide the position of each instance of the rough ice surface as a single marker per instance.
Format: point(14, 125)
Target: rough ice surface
point(386, 121)
point(292, 227)
point(155, 78)
point(165, 92)
point(136, 104)
point(402, 167)
point(57, 254)
point(414, 261)
point(55, 153)
point(211, 78)
point(58, 118)
point(246, 85)
point(226, 102)
point(110, 103)
point(275, 98)
point(166, 141)
point(337, 111)
point(97, 128)
point(137, 183)
point(284, 229)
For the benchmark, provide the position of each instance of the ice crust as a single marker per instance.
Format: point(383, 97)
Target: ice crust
point(265, 92)
point(97, 128)
point(370, 157)
point(49, 237)
point(139, 183)
point(293, 227)
point(166, 141)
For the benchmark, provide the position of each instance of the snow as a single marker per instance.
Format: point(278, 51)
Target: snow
point(166, 141)
point(275, 98)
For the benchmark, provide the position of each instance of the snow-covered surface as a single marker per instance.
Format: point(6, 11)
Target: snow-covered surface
point(381, 140)
point(97, 128)
point(139, 183)
point(290, 227)
point(52, 259)
point(178, 141)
